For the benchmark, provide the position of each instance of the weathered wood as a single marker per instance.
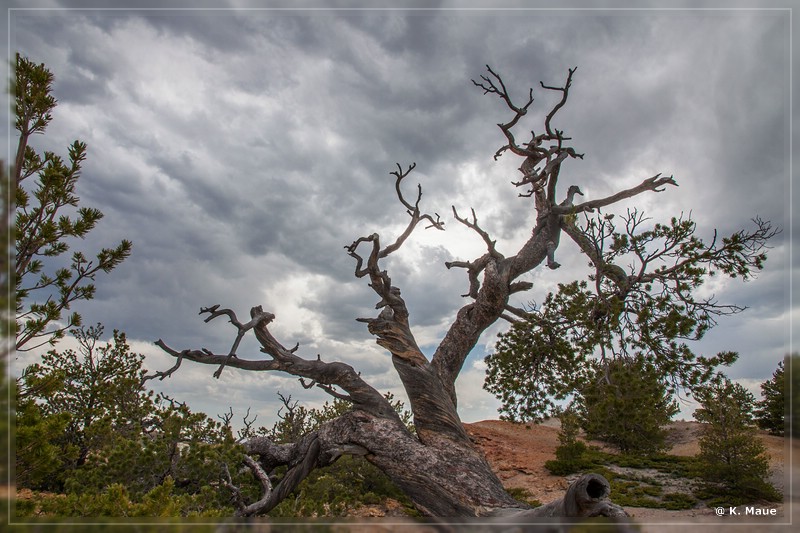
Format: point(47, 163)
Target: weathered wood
point(438, 467)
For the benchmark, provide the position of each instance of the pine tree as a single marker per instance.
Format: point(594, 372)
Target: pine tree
point(627, 405)
point(772, 410)
point(792, 364)
point(731, 454)
point(42, 229)
point(651, 308)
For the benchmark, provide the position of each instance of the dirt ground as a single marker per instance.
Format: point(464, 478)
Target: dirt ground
point(517, 453)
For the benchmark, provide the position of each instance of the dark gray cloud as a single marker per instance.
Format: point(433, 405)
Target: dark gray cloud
point(242, 150)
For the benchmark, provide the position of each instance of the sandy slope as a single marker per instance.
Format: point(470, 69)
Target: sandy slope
point(517, 452)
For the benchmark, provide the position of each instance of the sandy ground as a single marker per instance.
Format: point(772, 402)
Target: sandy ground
point(517, 453)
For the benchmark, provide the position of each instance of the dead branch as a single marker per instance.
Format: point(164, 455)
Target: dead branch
point(564, 93)
point(473, 225)
point(166, 373)
point(495, 85)
point(413, 211)
point(327, 388)
point(654, 184)
point(270, 496)
point(519, 286)
point(214, 312)
point(474, 268)
point(519, 312)
point(391, 327)
point(323, 374)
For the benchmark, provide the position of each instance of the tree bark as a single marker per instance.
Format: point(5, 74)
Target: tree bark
point(444, 477)
point(438, 467)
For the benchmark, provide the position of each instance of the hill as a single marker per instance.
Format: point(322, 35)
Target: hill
point(517, 453)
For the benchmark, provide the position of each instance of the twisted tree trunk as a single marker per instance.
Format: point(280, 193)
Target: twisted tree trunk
point(438, 467)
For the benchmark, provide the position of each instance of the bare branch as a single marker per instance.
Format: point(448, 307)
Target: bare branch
point(509, 319)
point(488, 85)
point(416, 217)
point(271, 497)
point(493, 84)
point(214, 312)
point(322, 373)
point(327, 388)
point(373, 257)
point(208, 358)
point(474, 268)
point(167, 373)
point(260, 474)
point(655, 184)
point(473, 225)
point(227, 417)
point(564, 93)
point(227, 482)
point(521, 313)
point(391, 326)
point(519, 286)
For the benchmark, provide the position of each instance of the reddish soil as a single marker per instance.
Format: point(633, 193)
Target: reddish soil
point(517, 453)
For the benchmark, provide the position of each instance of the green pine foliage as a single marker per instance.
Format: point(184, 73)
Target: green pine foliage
point(570, 451)
point(775, 411)
point(88, 429)
point(627, 404)
point(793, 393)
point(732, 460)
point(7, 324)
point(632, 489)
point(39, 459)
point(772, 410)
point(48, 216)
point(93, 441)
point(115, 500)
point(334, 491)
point(650, 310)
point(100, 390)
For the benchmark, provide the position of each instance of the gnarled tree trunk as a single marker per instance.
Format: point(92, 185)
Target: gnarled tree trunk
point(438, 467)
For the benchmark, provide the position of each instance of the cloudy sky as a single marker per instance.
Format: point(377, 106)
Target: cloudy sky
point(242, 149)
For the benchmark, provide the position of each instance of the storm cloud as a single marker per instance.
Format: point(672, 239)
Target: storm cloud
point(242, 149)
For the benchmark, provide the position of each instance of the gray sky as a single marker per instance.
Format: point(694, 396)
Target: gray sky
point(241, 150)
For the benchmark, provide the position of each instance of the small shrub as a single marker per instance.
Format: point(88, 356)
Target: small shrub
point(570, 452)
point(676, 501)
point(524, 495)
point(116, 501)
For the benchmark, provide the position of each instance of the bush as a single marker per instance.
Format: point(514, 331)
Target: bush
point(524, 495)
point(347, 484)
point(570, 452)
point(115, 500)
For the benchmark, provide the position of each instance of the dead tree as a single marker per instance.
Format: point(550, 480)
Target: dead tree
point(438, 467)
